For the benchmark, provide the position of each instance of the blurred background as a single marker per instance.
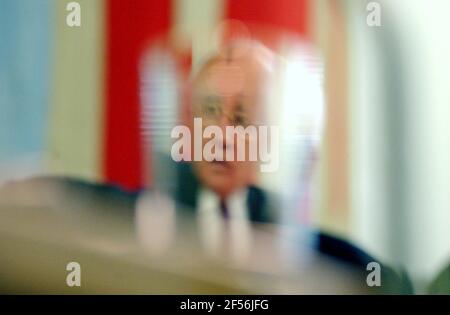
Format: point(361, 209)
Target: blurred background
point(71, 106)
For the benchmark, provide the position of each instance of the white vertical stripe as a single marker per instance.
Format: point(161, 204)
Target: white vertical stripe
point(197, 21)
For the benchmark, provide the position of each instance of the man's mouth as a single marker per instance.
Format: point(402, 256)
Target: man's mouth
point(223, 164)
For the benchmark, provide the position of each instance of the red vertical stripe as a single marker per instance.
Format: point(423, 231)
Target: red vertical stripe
point(131, 24)
point(290, 15)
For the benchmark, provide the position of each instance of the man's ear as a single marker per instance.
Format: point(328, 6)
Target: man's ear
point(253, 174)
point(186, 108)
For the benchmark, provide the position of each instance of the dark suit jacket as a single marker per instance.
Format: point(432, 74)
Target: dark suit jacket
point(187, 191)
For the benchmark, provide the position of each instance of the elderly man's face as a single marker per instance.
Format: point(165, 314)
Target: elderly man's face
point(227, 93)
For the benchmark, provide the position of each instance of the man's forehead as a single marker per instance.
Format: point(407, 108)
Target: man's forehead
point(229, 78)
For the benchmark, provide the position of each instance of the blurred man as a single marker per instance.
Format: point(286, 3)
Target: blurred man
point(229, 90)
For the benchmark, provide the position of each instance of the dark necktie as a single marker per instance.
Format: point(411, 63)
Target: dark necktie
point(224, 209)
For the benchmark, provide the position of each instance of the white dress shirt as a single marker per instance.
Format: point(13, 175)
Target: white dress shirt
point(219, 235)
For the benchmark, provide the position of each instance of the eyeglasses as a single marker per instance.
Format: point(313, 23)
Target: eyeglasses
point(211, 111)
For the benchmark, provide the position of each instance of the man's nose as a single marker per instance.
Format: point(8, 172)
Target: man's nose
point(225, 120)
point(226, 138)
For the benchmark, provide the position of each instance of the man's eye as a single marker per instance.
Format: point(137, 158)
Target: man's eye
point(240, 120)
point(210, 109)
